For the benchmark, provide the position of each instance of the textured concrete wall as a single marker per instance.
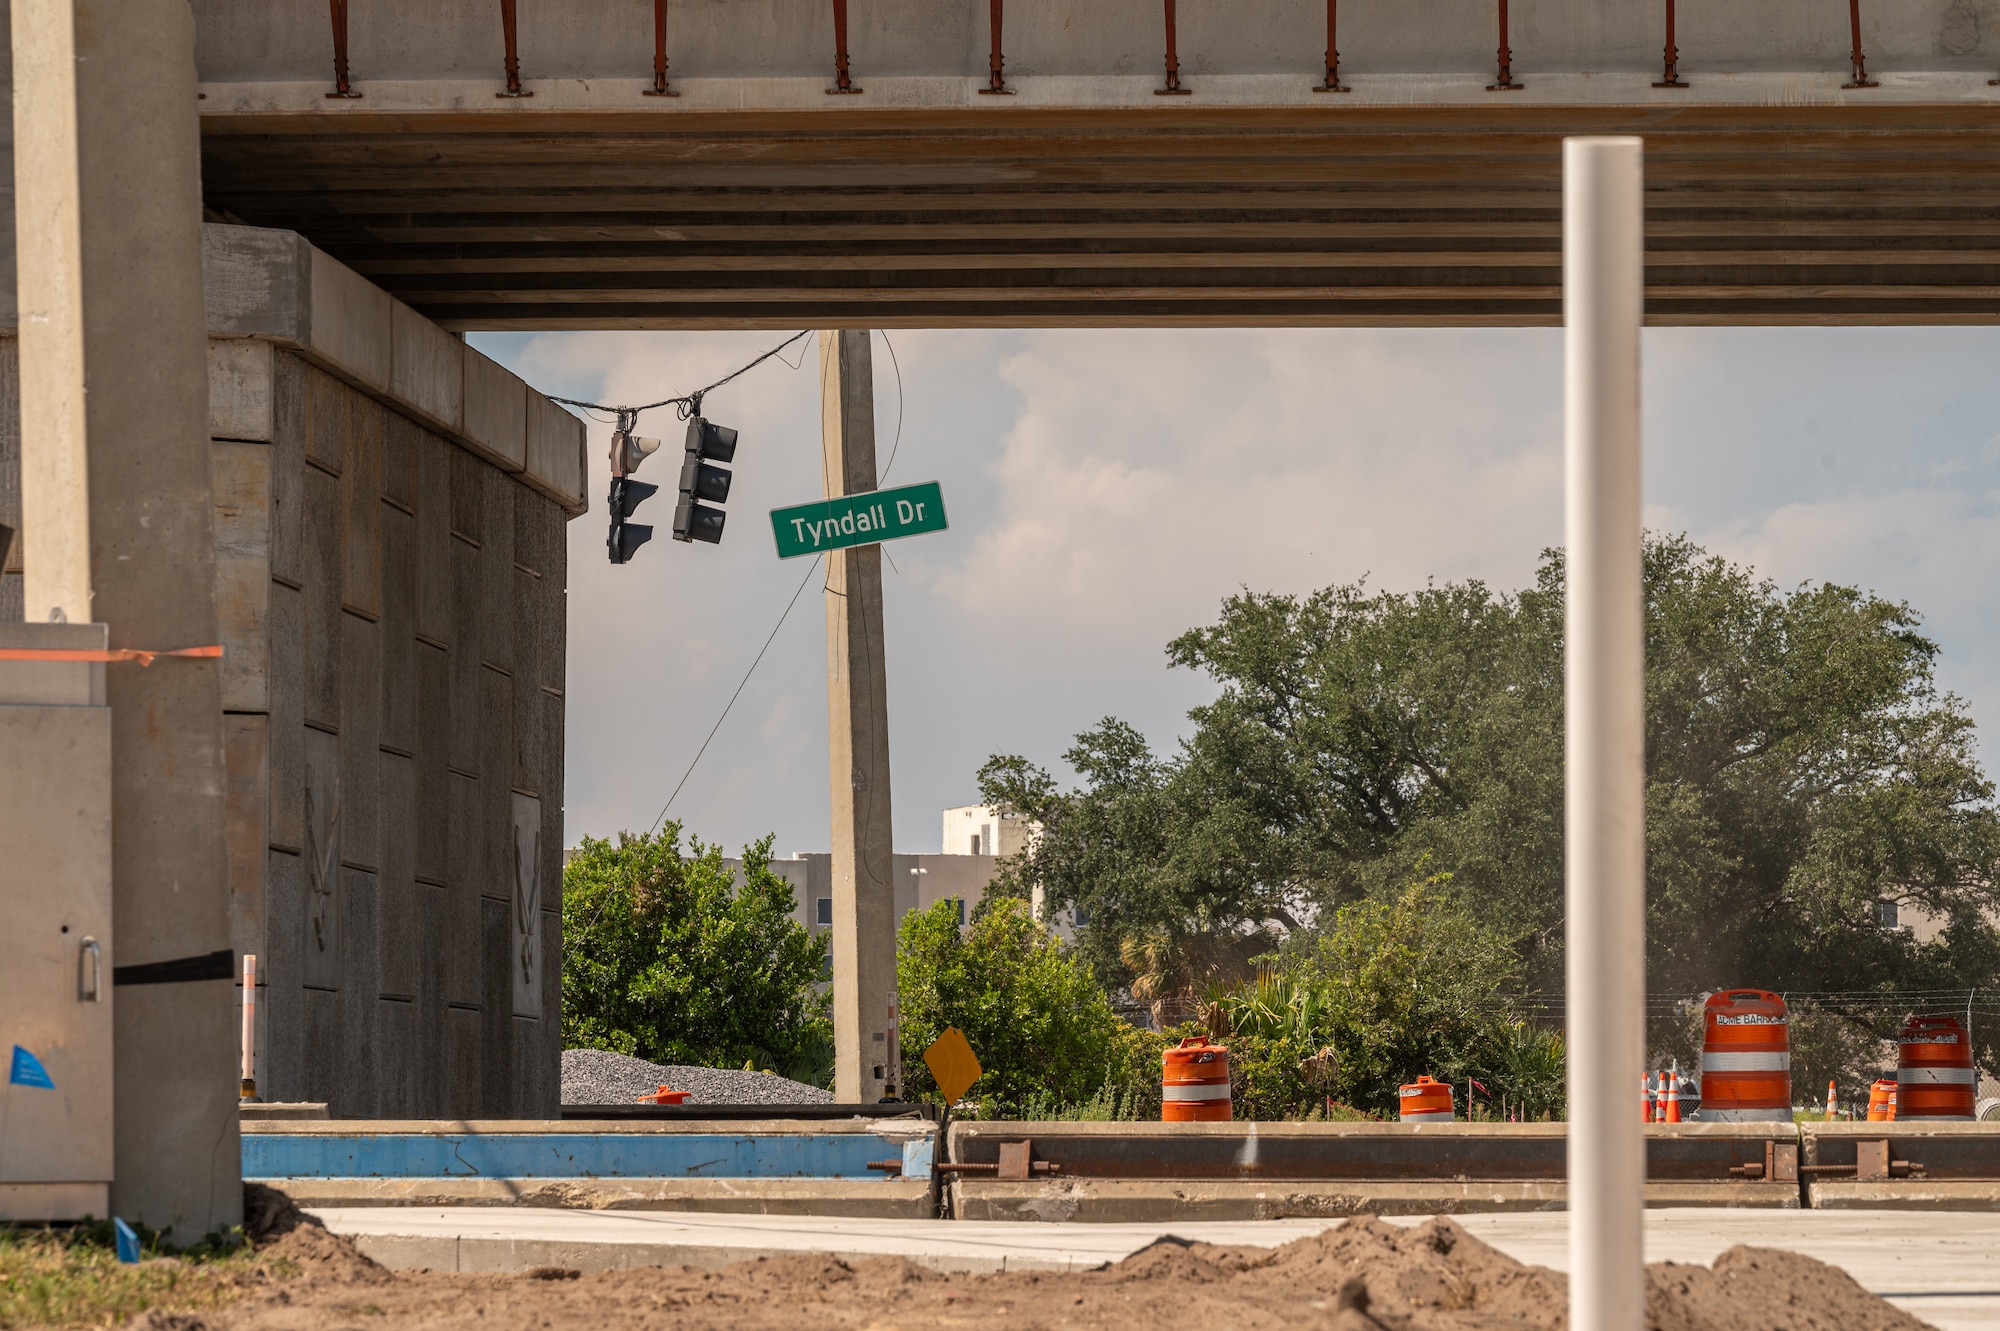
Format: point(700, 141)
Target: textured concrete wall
point(389, 573)
point(395, 607)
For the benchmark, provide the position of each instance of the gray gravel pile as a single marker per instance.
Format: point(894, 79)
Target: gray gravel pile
point(599, 1077)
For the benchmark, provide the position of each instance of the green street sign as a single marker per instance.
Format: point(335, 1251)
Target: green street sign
point(863, 519)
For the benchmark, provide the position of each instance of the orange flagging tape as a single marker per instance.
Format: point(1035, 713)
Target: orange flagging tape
point(139, 654)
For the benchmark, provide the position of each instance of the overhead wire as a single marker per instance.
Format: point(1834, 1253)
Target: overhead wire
point(734, 696)
point(687, 404)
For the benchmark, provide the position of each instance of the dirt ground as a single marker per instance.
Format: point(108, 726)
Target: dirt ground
point(1364, 1275)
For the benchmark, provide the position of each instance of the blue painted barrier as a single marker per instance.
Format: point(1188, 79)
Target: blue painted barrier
point(569, 1155)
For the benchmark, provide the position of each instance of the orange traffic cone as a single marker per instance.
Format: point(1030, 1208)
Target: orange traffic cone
point(1829, 1099)
point(1646, 1098)
point(1674, 1093)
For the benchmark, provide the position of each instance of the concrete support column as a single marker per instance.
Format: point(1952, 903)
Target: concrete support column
point(1604, 708)
point(857, 709)
point(117, 523)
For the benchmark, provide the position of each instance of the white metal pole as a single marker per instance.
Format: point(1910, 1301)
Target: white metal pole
point(249, 1088)
point(1604, 670)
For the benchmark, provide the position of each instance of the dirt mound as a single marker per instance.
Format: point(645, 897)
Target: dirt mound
point(1766, 1287)
point(1364, 1275)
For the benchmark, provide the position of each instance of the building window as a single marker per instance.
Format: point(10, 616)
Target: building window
point(1885, 914)
point(961, 911)
point(975, 844)
point(823, 912)
point(1081, 916)
point(986, 838)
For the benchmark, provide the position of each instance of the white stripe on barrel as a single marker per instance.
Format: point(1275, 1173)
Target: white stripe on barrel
point(1215, 1090)
point(1746, 1062)
point(1934, 1076)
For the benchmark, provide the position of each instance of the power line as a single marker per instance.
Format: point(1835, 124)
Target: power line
point(734, 696)
point(688, 404)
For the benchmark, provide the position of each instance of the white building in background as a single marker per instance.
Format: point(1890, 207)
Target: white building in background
point(976, 837)
point(981, 829)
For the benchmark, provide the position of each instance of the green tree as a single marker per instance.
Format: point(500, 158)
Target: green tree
point(1043, 1029)
point(1391, 988)
point(1802, 765)
point(665, 957)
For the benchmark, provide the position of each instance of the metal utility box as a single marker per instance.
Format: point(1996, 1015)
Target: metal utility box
point(55, 928)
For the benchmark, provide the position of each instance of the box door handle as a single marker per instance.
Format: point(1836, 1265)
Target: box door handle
point(90, 963)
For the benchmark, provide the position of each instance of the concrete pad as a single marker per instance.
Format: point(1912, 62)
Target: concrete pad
point(899, 1199)
point(1940, 1267)
point(1906, 1195)
point(1160, 1201)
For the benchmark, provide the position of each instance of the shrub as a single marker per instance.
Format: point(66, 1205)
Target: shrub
point(1045, 1033)
point(666, 958)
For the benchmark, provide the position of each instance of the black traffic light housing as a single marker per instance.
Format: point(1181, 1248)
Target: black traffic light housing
point(626, 537)
point(694, 520)
point(627, 452)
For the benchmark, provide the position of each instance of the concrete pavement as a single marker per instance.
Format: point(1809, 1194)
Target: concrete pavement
point(1942, 1267)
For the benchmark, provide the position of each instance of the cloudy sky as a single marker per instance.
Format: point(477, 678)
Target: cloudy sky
point(1107, 489)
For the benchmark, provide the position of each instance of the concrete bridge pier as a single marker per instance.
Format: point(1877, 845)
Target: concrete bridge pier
point(117, 530)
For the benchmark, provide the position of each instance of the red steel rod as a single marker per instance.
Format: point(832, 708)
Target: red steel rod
point(841, 81)
point(1173, 88)
point(1505, 83)
point(660, 88)
point(507, 30)
point(340, 85)
point(996, 82)
point(1333, 83)
point(1860, 79)
point(1670, 76)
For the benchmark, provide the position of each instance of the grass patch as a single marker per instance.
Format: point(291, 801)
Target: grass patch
point(72, 1277)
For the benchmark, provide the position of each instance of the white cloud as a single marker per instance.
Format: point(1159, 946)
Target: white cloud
point(1107, 489)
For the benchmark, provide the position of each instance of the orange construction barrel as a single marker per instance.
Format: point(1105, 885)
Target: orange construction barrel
point(1934, 1076)
point(1427, 1101)
point(1882, 1101)
point(1194, 1082)
point(1746, 1058)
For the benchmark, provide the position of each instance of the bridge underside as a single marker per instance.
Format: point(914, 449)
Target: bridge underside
point(1167, 216)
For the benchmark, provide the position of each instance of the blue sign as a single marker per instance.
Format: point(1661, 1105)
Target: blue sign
point(128, 1242)
point(28, 1071)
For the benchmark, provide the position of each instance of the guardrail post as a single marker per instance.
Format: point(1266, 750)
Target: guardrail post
point(340, 85)
point(1333, 83)
point(1505, 81)
point(996, 82)
point(1173, 88)
point(842, 83)
point(1604, 725)
point(507, 31)
point(1860, 79)
point(1670, 76)
point(659, 88)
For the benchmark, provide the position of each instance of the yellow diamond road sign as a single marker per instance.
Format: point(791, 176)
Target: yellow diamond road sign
point(953, 1063)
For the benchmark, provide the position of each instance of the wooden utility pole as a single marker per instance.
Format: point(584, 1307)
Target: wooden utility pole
point(857, 710)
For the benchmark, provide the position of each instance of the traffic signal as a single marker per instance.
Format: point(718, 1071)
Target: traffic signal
point(626, 495)
point(694, 521)
point(627, 452)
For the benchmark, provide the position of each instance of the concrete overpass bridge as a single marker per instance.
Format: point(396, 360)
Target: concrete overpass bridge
point(509, 165)
point(842, 164)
